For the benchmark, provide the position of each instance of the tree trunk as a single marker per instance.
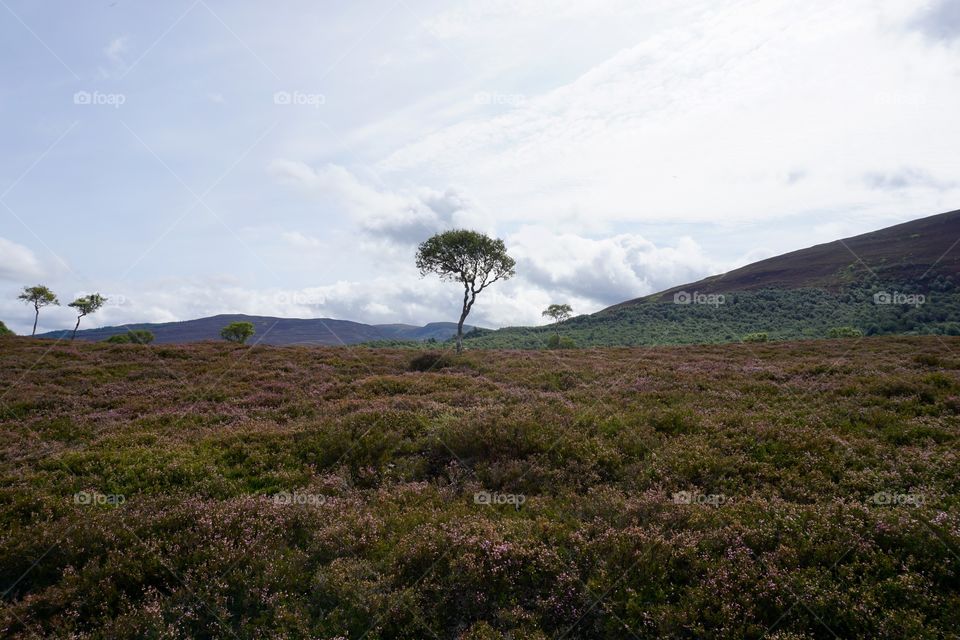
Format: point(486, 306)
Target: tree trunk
point(467, 303)
point(463, 316)
point(36, 316)
point(77, 326)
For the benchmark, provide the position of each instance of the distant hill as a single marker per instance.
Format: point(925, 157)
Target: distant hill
point(898, 280)
point(913, 252)
point(278, 331)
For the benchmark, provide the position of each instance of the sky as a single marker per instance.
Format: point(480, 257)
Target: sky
point(195, 157)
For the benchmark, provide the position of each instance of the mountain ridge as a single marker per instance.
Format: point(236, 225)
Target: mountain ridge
point(273, 330)
point(904, 252)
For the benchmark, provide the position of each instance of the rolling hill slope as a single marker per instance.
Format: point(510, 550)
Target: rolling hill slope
point(912, 252)
point(900, 279)
point(279, 331)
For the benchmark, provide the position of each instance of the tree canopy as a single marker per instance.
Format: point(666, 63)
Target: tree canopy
point(471, 258)
point(86, 305)
point(559, 312)
point(238, 332)
point(39, 296)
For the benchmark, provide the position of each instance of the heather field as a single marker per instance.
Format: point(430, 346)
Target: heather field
point(781, 490)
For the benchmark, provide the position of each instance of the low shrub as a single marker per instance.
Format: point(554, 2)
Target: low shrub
point(4, 331)
point(560, 342)
point(928, 359)
point(755, 337)
point(137, 336)
point(430, 361)
point(845, 332)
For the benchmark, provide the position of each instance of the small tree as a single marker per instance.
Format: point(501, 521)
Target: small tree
point(559, 313)
point(141, 336)
point(557, 342)
point(468, 257)
point(237, 332)
point(85, 306)
point(845, 332)
point(38, 296)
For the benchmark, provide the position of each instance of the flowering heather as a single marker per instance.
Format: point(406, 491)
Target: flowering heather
point(773, 490)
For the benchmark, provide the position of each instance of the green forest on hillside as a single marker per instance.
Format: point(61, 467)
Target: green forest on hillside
point(781, 314)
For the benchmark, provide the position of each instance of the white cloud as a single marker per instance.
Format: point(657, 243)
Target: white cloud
point(405, 217)
point(904, 178)
point(939, 20)
point(553, 262)
point(476, 17)
point(18, 263)
point(608, 270)
point(708, 121)
point(115, 50)
point(301, 241)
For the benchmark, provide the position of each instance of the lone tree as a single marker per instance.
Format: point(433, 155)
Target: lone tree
point(38, 296)
point(471, 258)
point(85, 306)
point(559, 313)
point(237, 332)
